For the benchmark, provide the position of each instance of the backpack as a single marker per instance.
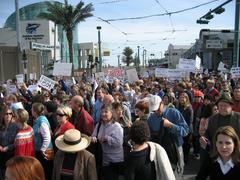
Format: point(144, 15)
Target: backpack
point(168, 142)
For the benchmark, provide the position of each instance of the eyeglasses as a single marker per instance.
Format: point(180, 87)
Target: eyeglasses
point(8, 113)
point(61, 115)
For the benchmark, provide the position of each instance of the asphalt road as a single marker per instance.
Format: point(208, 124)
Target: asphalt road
point(191, 169)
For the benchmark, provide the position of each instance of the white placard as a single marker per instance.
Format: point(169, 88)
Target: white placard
point(187, 64)
point(46, 82)
point(12, 89)
point(32, 76)
point(146, 74)
point(221, 67)
point(100, 76)
point(74, 81)
point(33, 87)
point(62, 69)
point(235, 72)
point(198, 62)
point(132, 75)
point(174, 74)
point(20, 78)
point(161, 72)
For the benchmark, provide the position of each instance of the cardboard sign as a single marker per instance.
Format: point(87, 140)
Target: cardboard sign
point(187, 64)
point(161, 72)
point(46, 82)
point(33, 87)
point(62, 69)
point(198, 62)
point(20, 78)
point(12, 89)
point(132, 75)
point(235, 72)
point(32, 76)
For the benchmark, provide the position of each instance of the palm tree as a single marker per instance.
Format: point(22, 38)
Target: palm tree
point(127, 58)
point(68, 16)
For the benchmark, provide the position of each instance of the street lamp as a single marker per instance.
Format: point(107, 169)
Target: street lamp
point(99, 48)
point(138, 60)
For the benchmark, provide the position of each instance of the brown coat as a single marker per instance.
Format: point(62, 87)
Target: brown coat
point(85, 166)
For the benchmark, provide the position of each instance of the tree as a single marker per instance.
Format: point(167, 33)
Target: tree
point(68, 16)
point(127, 59)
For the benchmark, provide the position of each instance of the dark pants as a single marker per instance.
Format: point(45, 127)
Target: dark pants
point(112, 171)
point(47, 165)
point(186, 147)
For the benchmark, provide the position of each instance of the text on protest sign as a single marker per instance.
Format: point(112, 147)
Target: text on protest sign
point(62, 69)
point(46, 82)
point(235, 72)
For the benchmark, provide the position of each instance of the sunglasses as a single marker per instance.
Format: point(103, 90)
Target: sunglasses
point(8, 113)
point(61, 115)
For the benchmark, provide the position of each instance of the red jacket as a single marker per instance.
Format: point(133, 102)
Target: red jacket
point(84, 122)
point(63, 128)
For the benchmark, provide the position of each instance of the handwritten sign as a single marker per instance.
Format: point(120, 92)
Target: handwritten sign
point(46, 82)
point(20, 78)
point(235, 72)
point(62, 69)
point(12, 89)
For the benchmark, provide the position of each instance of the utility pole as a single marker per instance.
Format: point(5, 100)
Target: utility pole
point(138, 60)
point(99, 48)
point(236, 61)
point(118, 60)
point(18, 68)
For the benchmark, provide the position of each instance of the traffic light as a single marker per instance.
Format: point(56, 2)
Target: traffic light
point(200, 21)
point(24, 56)
point(219, 10)
point(90, 58)
point(209, 16)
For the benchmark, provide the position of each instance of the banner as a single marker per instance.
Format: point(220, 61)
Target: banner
point(46, 82)
point(62, 69)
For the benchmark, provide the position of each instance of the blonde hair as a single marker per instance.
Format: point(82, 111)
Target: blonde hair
point(65, 110)
point(22, 115)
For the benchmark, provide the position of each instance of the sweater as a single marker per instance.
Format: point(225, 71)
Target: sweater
point(24, 142)
point(213, 170)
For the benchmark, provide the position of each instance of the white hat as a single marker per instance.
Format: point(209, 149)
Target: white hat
point(72, 141)
point(154, 103)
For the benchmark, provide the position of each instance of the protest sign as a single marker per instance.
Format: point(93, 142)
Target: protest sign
point(100, 76)
point(12, 88)
point(33, 87)
point(46, 82)
point(161, 72)
point(132, 75)
point(187, 64)
point(20, 78)
point(32, 76)
point(62, 69)
point(235, 72)
point(198, 62)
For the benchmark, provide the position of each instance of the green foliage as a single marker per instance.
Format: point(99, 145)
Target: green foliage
point(68, 16)
point(127, 58)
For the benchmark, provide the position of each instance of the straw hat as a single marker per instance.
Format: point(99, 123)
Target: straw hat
point(72, 141)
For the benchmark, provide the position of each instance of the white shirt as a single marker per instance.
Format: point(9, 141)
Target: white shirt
point(225, 167)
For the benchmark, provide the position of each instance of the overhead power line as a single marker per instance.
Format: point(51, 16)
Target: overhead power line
point(162, 14)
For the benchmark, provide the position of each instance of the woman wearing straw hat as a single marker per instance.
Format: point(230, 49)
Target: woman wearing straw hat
point(72, 161)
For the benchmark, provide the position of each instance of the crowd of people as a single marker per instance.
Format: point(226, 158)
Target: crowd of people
point(118, 130)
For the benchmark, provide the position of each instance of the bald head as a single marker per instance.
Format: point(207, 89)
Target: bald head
point(108, 99)
point(76, 103)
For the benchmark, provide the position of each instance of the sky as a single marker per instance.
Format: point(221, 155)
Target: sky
point(153, 34)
